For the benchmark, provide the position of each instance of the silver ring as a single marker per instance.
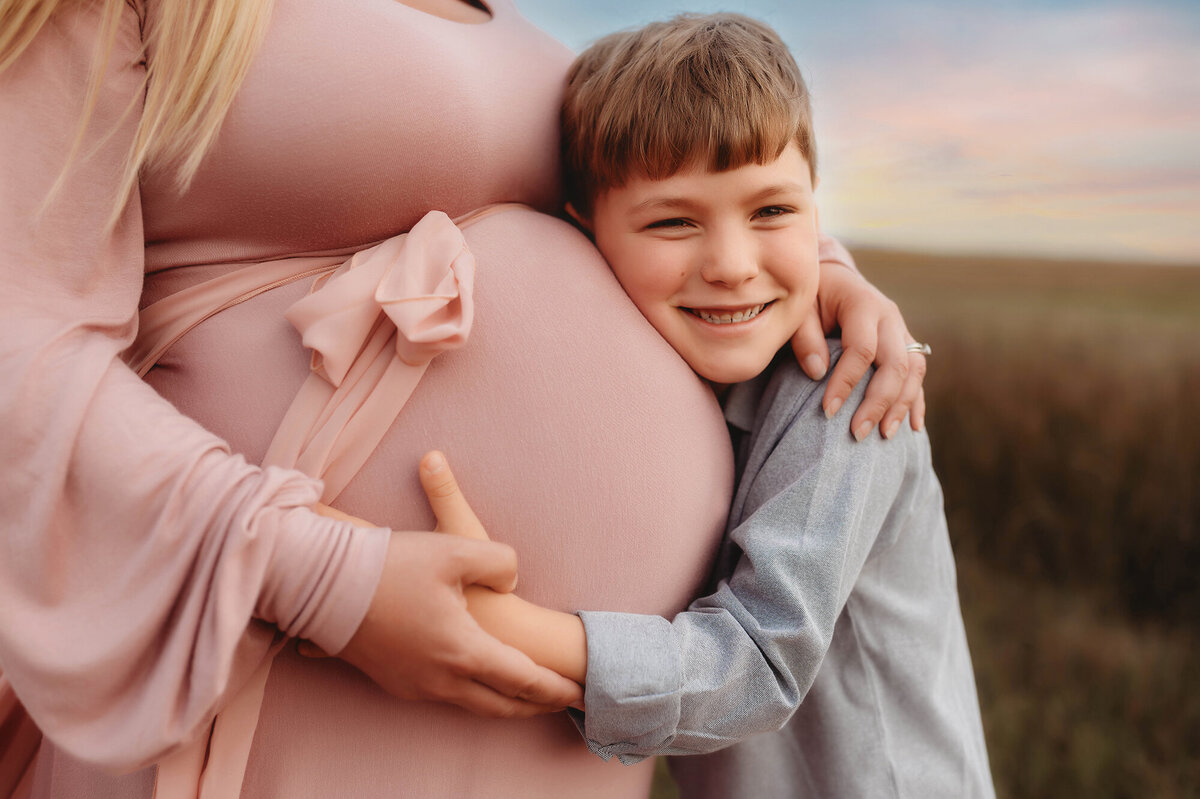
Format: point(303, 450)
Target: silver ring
point(917, 346)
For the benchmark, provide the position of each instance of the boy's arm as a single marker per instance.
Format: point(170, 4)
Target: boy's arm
point(550, 638)
point(739, 662)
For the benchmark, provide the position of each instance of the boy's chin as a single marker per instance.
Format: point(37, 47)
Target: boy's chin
point(726, 374)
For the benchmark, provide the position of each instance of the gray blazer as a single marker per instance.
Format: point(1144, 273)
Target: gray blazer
point(829, 659)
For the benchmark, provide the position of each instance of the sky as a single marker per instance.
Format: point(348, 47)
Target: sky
point(1063, 129)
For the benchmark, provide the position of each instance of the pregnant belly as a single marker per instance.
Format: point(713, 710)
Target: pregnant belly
point(580, 438)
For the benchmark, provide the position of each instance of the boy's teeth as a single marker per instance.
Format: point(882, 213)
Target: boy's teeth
point(729, 318)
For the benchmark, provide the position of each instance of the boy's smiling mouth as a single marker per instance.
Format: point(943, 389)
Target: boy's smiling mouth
point(718, 316)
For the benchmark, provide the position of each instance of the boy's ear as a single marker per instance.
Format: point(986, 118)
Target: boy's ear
point(579, 218)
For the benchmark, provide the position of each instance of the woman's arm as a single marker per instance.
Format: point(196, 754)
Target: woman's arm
point(873, 331)
point(134, 548)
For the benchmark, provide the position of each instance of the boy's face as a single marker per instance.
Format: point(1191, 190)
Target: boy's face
point(723, 264)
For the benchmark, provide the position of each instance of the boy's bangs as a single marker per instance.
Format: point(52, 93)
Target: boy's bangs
point(671, 130)
point(714, 138)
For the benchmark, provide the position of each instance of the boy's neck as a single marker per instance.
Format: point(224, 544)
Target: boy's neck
point(720, 389)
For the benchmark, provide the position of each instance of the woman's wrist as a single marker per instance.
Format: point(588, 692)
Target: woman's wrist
point(321, 576)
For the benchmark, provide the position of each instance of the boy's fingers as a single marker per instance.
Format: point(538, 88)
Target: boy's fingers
point(810, 348)
point(453, 513)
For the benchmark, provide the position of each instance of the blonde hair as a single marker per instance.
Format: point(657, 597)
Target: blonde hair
point(717, 90)
point(197, 54)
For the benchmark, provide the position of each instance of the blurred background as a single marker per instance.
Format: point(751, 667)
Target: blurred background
point(1024, 179)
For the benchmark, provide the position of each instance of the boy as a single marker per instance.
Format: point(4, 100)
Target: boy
point(690, 159)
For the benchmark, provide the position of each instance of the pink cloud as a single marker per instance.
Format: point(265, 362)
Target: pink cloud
point(1078, 114)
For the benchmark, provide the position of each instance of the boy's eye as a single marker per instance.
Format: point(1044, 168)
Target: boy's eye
point(675, 222)
point(772, 211)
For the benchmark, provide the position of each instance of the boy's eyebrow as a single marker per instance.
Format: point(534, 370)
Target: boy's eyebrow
point(663, 204)
point(779, 188)
point(683, 203)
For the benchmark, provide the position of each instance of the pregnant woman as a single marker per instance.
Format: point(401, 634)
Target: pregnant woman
point(146, 561)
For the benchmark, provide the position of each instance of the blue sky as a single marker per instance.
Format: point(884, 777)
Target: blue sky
point(1068, 129)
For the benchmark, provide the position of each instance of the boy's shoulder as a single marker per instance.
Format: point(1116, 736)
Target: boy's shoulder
point(786, 437)
point(783, 395)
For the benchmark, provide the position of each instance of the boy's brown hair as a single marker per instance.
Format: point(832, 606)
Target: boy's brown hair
point(716, 90)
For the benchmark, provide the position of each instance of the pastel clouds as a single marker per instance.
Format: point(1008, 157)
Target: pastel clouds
point(1071, 132)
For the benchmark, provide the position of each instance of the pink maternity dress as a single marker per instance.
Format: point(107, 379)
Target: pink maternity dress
point(139, 534)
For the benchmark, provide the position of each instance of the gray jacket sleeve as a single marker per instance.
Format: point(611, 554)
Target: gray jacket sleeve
point(807, 512)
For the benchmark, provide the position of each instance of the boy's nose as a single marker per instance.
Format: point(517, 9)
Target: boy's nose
point(729, 261)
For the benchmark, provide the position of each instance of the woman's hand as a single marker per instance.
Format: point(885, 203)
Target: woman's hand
point(418, 641)
point(552, 638)
point(873, 331)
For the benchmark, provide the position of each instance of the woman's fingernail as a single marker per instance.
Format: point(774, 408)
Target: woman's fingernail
point(920, 424)
point(863, 430)
point(814, 367)
point(434, 462)
point(891, 428)
point(832, 408)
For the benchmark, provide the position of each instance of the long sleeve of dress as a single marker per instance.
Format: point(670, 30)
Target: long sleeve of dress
point(135, 549)
point(810, 506)
point(830, 250)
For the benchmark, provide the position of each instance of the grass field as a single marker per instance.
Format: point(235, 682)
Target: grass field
point(1063, 404)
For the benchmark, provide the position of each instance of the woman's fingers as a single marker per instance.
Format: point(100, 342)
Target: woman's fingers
point(916, 417)
point(906, 403)
point(859, 340)
point(810, 348)
point(453, 513)
point(891, 371)
point(418, 640)
point(483, 700)
point(487, 563)
point(510, 675)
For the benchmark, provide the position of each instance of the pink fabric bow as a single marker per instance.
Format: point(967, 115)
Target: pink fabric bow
point(373, 325)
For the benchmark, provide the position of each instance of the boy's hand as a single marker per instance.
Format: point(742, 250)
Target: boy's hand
point(873, 331)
